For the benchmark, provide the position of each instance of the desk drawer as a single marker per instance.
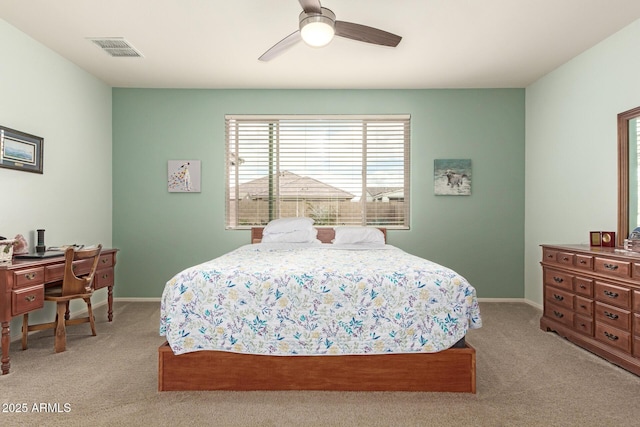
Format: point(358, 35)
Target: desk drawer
point(105, 261)
point(27, 299)
point(28, 277)
point(103, 278)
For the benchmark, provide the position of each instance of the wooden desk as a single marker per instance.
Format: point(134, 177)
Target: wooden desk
point(22, 286)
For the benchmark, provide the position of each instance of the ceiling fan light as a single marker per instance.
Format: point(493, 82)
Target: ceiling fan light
point(317, 30)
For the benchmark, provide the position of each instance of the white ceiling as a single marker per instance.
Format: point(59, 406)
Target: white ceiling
point(216, 44)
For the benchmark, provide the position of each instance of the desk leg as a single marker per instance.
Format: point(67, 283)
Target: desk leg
point(110, 303)
point(6, 341)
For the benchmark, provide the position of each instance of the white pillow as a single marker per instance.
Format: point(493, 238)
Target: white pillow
point(355, 235)
point(298, 236)
point(286, 225)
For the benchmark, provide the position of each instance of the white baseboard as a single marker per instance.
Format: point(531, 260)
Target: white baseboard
point(137, 299)
point(524, 300)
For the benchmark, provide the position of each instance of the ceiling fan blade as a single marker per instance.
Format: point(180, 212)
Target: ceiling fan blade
point(311, 6)
point(366, 34)
point(281, 46)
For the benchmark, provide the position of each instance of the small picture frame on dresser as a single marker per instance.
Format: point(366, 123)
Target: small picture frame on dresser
point(595, 238)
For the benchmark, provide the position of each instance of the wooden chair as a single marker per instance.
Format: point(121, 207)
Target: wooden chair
point(72, 287)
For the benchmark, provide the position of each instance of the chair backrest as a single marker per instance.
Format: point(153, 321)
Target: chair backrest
point(72, 284)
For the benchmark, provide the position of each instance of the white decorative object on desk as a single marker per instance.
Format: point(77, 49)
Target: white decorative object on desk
point(6, 251)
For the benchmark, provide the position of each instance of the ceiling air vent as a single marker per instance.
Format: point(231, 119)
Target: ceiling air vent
point(117, 47)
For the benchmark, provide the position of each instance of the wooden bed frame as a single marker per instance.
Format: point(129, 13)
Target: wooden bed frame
point(452, 370)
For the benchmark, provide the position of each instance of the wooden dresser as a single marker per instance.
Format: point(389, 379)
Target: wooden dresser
point(592, 298)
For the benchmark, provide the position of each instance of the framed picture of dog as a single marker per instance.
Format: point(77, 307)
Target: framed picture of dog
point(183, 176)
point(452, 177)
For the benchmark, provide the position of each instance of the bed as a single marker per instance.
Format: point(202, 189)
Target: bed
point(327, 320)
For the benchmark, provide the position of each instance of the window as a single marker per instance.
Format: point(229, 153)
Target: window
point(338, 170)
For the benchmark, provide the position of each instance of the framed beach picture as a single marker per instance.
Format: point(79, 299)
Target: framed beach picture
point(183, 176)
point(452, 177)
point(21, 151)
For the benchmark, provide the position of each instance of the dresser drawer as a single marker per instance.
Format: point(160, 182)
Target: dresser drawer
point(636, 324)
point(560, 257)
point(614, 316)
point(584, 261)
point(103, 278)
point(558, 279)
point(612, 294)
point(28, 277)
point(583, 324)
point(636, 301)
point(583, 306)
point(559, 297)
point(27, 299)
point(613, 336)
point(636, 351)
point(559, 314)
point(612, 267)
point(583, 286)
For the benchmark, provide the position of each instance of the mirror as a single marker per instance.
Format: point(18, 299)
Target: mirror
point(628, 170)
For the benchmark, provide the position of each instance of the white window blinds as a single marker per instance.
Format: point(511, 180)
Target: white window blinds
point(338, 170)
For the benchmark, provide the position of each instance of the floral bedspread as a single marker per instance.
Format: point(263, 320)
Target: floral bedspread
point(280, 299)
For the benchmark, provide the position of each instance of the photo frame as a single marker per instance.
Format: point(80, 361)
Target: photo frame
point(452, 177)
point(20, 151)
point(183, 176)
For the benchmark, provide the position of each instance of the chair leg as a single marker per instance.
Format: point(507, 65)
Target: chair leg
point(67, 313)
point(25, 330)
point(91, 320)
point(60, 343)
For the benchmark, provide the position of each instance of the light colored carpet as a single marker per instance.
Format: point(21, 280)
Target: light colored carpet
point(525, 377)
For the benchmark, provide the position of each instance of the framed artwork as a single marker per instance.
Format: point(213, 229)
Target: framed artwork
point(21, 151)
point(452, 177)
point(183, 176)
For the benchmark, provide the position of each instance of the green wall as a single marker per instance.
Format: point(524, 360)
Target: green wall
point(160, 233)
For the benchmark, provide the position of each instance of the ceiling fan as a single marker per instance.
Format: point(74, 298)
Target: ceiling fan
point(318, 25)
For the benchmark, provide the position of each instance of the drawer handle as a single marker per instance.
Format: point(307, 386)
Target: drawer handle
point(611, 294)
point(558, 279)
point(30, 276)
point(583, 287)
point(558, 297)
point(612, 267)
point(104, 260)
point(582, 261)
point(30, 298)
point(565, 258)
point(610, 336)
point(558, 314)
point(105, 276)
point(611, 316)
point(583, 306)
